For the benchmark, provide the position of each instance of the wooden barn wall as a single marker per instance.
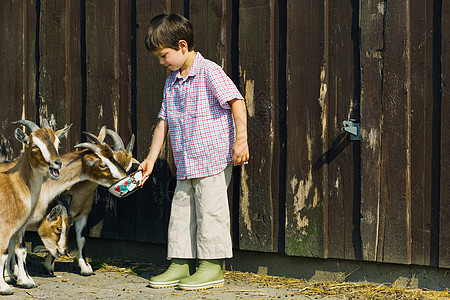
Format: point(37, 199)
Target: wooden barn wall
point(304, 67)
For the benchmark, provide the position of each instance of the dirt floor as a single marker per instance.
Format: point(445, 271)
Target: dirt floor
point(120, 279)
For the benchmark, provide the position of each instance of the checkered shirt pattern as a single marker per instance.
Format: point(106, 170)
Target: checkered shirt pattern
point(201, 125)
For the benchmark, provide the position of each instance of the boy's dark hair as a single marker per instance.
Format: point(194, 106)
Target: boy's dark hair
point(166, 30)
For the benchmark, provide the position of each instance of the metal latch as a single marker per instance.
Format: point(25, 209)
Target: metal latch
point(353, 128)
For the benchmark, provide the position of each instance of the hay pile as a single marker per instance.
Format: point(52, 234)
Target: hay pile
point(346, 290)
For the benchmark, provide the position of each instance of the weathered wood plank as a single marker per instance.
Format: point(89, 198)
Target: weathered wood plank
point(206, 18)
point(372, 52)
point(421, 91)
point(102, 97)
point(441, 123)
point(155, 197)
point(17, 84)
point(341, 75)
point(29, 45)
point(306, 92)
point(73, 79)
point(395, 222)
point(122, 55)
point(177, 6)
point(107, 93)
point(52, 66)
point(259, 190)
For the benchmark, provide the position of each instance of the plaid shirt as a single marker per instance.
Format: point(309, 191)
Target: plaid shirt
point(201, 125)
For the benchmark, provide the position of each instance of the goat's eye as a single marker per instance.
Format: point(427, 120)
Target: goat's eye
point(34, 147)
point(102, 166)
point(58, 230)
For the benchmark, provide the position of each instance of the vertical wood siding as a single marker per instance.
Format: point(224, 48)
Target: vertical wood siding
point(306, 128)
point(304, 67)
point(440, 226)
point(256, 67)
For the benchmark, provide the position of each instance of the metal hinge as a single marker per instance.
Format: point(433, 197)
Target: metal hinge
point(353, 129)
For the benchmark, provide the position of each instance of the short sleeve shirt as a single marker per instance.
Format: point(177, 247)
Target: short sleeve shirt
point(201, 125)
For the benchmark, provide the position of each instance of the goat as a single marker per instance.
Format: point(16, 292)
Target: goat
point(58, 220)
point(82, 197)
point(96, 164)
point(21, 184)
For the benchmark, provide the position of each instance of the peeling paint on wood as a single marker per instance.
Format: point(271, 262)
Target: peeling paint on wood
point(244, 205)
point(381, 8)
point(371, 137)
point(115, 116)
point(100, 111)
point(301, 191)
point(249, 96)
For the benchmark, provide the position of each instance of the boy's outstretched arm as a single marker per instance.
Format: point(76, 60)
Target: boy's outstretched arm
point(159, 135)
point(240, 148)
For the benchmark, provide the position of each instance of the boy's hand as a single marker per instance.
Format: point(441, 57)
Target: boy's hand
point(241, 154)
point(147, 168)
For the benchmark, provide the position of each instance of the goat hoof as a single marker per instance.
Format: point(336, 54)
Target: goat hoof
point(27, 285)
point(48, 272)
point(87, 273)
point(10, 280)
point(7, 291)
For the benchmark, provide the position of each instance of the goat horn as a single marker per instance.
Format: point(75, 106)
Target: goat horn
point(118, 143)
point(31, 125)
point(93, 147)
point(57, 210)
point(131, 144)
point(93, 138)
point(63, 210)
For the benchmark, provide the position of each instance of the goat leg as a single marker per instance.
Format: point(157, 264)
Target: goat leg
point(49, 264)
point(23, 279)
point(5, 289)
point(11, 265)
point(86, 269)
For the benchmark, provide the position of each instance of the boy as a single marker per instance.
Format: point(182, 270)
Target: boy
point(206, 117)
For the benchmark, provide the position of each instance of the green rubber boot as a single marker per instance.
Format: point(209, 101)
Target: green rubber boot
point(178, 269)
point(209, 275)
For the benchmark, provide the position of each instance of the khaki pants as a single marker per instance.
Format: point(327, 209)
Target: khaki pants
point(199, 225)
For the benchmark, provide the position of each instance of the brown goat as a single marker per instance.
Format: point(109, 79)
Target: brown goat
point(21, 184)
point(82, 197)
point(96, 164)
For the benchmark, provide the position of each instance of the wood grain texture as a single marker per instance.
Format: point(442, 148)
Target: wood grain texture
point(259, 190)
point(306, 96)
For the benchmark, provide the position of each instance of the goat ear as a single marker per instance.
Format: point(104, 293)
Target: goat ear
point(102, 134)
point(67, 198)
point(130, 145)
point(63, 132)
point(90, 161)
point(21, 136)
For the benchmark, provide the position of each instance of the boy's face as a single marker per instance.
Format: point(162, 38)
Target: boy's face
point(170, 58)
